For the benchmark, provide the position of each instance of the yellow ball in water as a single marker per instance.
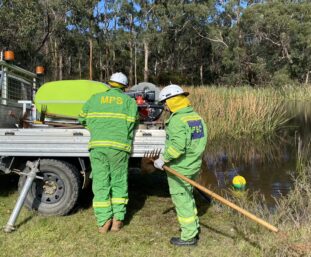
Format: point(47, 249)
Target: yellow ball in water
point(239, 182)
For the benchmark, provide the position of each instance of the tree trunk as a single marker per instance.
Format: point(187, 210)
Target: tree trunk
point(135, 64)
point(307, 77)
point(55, 60)
point(131, 64)
point(79, 67)
point(155, 68)
point(69, 66)
point(91, 59)
point(146, 70)
point(60, 66)
point(107, 65)
point(131, 51)
point(101, 67)
point(201, 74)
point(113, 60)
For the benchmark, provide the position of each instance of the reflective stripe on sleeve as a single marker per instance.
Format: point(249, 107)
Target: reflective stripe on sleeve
point(173, 152)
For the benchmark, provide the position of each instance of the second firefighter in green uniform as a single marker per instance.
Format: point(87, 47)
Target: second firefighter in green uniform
point(186, 137)
point(110, 117)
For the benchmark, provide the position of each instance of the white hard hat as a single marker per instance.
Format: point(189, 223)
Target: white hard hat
point(119, 77)
point(170, 91)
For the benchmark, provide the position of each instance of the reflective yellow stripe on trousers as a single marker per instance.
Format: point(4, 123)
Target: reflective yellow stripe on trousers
point(119, 200)
point(104, 204)
point(187, 220)
point(125, 147)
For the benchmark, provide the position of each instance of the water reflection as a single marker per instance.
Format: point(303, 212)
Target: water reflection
point(267, 165)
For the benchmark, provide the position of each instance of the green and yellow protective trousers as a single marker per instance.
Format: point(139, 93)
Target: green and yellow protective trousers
point(185, 143)
point(110, 117)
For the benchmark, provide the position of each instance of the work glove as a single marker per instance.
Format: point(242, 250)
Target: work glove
point(158, 163)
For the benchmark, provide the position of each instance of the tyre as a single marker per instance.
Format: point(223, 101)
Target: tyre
point(57, 193)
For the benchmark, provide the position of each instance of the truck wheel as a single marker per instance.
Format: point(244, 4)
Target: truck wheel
point(58, 192)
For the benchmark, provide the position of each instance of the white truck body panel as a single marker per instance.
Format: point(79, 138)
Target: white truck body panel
point(56, 142)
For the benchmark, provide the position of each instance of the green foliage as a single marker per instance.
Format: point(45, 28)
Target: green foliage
point(197, 42)
point(281, 78)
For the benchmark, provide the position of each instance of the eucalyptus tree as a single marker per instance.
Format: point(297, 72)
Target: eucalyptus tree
point(147, 32)
point(277, 36)
point(24, 27)
point(181, 53)
point(83, 18)
point(127, 22)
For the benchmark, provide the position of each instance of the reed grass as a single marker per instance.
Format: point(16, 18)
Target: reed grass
point(237, 112)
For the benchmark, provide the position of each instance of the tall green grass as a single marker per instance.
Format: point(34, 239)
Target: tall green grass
point(236, 112)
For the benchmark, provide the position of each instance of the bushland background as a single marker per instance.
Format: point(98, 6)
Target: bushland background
point(221, 42)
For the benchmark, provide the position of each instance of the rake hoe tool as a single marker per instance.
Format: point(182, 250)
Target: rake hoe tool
point(154, 154)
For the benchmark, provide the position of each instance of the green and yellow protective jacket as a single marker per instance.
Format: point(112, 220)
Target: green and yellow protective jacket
point(186, 137)
point(110, 117)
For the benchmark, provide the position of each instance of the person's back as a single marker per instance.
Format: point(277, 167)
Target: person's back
point(192, 126)
point(110, 118)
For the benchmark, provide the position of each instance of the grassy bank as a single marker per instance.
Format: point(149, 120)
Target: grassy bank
point(151, 221)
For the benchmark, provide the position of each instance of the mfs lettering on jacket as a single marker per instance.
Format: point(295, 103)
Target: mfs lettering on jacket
point(111, 100)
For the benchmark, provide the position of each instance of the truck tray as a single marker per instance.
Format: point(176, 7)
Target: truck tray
point(48, 142)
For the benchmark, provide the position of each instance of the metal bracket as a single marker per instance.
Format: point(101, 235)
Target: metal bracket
point(86, 177)
point(33, 166)
point(3, 166)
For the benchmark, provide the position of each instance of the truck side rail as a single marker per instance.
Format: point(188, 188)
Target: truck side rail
point(51, 142)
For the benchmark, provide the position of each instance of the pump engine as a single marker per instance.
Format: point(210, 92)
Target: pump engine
point(147, 98)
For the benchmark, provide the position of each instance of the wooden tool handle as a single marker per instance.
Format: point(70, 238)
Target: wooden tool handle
point(223, 200)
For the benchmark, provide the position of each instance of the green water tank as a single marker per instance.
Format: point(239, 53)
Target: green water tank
point(66, 97)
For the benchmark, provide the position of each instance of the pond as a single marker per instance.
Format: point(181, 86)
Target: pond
point(268, 165)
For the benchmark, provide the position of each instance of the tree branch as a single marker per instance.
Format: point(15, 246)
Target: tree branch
point(46, 35)
point(217, 40)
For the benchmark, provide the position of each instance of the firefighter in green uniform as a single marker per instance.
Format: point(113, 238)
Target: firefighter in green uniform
point(186, 137)
point(110, 117)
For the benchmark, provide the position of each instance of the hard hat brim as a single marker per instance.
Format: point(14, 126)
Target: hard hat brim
point(118, 83)
point(184, 93)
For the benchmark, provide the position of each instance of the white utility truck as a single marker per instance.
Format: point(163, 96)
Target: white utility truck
point(58, 154)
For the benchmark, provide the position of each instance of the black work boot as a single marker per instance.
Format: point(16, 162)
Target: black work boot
point(179, 242)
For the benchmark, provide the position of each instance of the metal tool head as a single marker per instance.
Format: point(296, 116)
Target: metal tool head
point(153, 155)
